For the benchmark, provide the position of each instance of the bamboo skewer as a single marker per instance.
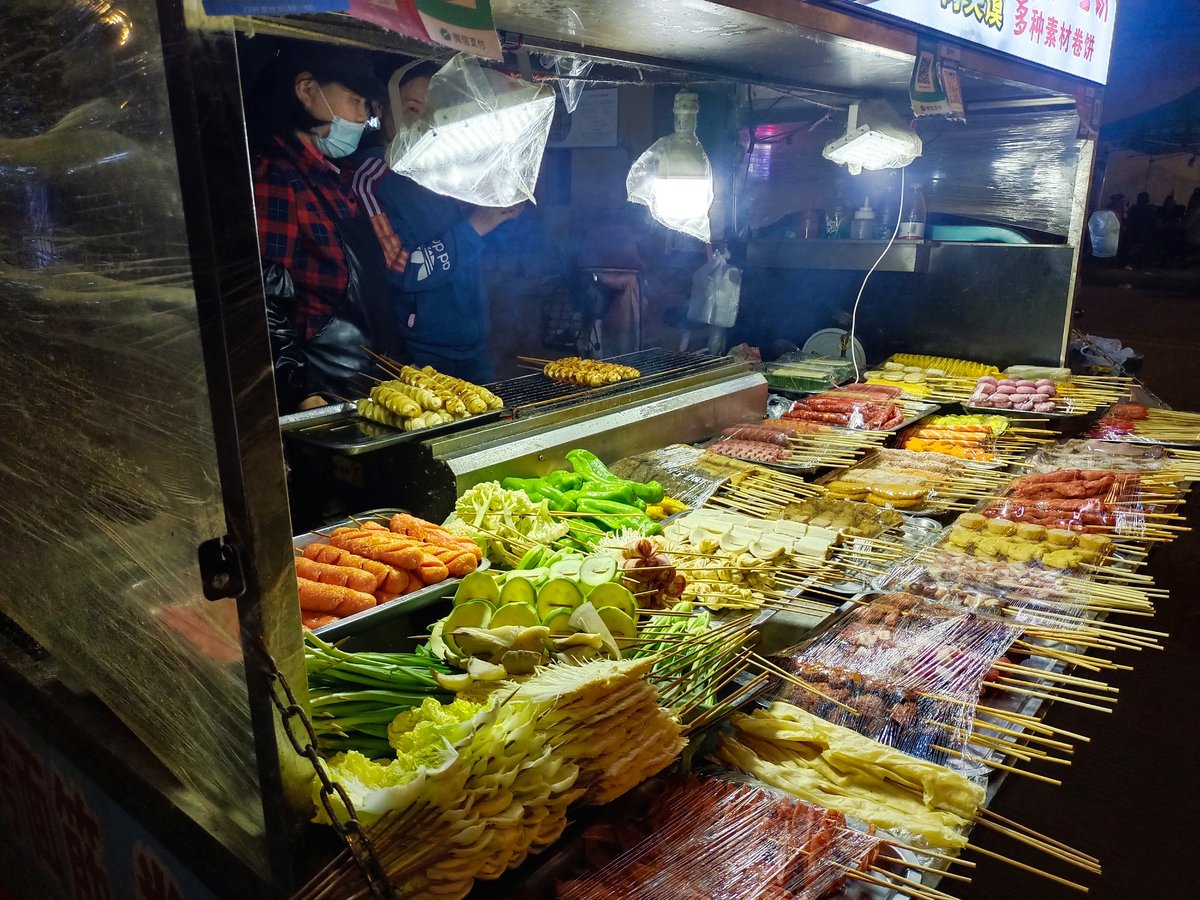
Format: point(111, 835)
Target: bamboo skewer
point(998, 765)
point(992, 814)
point(1088, 864)
point(1028, 868)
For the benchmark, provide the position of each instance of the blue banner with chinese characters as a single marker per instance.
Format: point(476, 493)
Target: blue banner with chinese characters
point(73, 839)
point(1072, 36)
point(272, 7)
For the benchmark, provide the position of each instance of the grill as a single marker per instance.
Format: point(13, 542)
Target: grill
point(536, 391)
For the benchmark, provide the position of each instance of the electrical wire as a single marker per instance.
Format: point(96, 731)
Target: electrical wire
point(870, 272)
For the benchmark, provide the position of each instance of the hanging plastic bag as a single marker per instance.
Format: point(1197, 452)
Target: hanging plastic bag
point(673, 178)
point(481, 137)
point(570, 71)
point(716, 292)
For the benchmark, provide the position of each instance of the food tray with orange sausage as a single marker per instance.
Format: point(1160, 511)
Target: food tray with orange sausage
point(360, 573)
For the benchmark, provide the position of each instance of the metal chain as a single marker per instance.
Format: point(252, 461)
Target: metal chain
point(357, 843)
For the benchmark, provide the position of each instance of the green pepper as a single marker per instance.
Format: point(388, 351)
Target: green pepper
point(564, 480)
point(588, 466)
point(558, 501)
point(616, 516)
point(650, 491)
point(617, 492)
point(585, 532)
point(531, 486)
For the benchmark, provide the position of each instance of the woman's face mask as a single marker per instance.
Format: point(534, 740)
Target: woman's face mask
point(343, 136)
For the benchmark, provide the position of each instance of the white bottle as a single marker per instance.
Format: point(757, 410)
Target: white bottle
point(862, 227)
point(912, 217)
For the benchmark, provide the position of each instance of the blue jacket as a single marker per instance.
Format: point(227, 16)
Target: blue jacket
point(441, 300)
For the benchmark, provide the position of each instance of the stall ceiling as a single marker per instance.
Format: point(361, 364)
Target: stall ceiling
point(710, 36)
point(700, 35)
point(697, 38)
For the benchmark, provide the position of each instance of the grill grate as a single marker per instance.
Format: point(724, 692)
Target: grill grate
point(656, 365)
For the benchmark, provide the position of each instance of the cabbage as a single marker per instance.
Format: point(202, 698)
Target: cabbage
point(373, 787)
point(422, 736)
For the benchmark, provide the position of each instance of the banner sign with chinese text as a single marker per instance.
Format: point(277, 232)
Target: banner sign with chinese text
point(1072, 36)
point(75, 841)
point(272, 7)
point(463, 25)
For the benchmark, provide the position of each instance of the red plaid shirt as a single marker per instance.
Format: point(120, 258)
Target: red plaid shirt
point(294, 229)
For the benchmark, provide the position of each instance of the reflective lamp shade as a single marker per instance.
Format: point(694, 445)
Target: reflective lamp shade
point(487, 155)
point(880, 142)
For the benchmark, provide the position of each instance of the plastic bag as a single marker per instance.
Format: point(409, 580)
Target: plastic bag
point(481, 137)
point(673, 177)
point(716, 291)
point(1106, 353)
point(570, 71)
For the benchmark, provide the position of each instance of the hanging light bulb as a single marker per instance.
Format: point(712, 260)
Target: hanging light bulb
point(673, 178)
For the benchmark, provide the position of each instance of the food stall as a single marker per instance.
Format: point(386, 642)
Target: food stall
point(151, 618)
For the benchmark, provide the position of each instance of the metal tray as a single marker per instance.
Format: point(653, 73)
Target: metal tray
point(1027, 413)
point(340, 427)
point(378, 615)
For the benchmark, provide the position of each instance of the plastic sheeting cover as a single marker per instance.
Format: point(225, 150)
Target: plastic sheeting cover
point(1016, 169)
point(107, 461)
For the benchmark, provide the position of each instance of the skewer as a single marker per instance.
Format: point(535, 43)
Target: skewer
point(1088, 865)
point(990, 813)
point(879, 882)
point(1055, 690)
point(767, 666)
point(997, 765)
point(1054, 676)
point(940, 873)
point(1028, 868)
point(1043, 696)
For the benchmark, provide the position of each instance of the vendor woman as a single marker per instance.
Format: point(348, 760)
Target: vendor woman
point(438, 287)
point(323, 267)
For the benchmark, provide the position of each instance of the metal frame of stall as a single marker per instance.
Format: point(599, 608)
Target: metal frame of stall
point(250, 559)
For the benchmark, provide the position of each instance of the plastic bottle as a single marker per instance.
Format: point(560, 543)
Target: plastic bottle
point(912, 217)
point(810, 228)
point(1104, 228)
point(837, 223)
point(885, 222)
point(862, 227)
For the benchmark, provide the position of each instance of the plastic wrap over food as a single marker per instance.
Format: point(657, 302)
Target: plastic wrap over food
point(902, 479)
point(752, 443)
point(688, 474)
point(838, 769)
point(710, 838)
point(1114, 456)
point(857, 406)
point(993, 587)
point(802, 372)
point(109, 473)
point(1140, 424)
point(1058, 550)
point(901, 671)
point(1081, 500)
point(482, 137)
